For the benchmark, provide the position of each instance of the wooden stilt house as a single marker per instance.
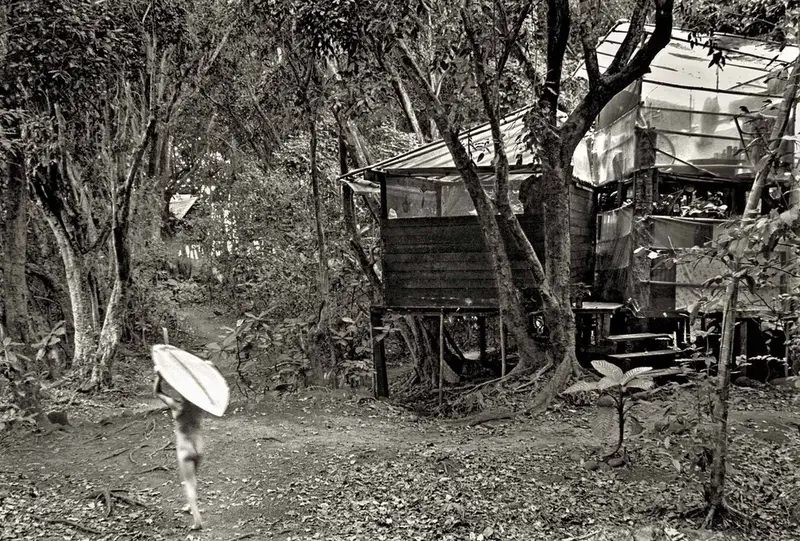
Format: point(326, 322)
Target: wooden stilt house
point(433, 259)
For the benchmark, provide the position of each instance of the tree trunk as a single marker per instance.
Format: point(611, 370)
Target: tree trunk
point(124, 181)
point(322, 248)
point(715, 491)
point(351, 226)
point(321, 351)
point(509, 296)
point(405, 103)
point(417, 335)
point(15, 240)
point(110, 336)
point(80, 298)
point(559, 317)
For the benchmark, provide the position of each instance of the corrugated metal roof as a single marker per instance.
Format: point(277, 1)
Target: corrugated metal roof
point(478, 142)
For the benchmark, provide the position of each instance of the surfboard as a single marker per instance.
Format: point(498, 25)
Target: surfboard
point(193, 378)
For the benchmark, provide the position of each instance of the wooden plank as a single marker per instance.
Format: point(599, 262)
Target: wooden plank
point(641, 354)
point(637, 336)
point(456, 296)
point(467, 248)
point(457, 257)
point(443, 281)
point(440, 230)
point(434, 239)
point(434, 304)
point(460, 274)
point(448, 221)
point(445, 266)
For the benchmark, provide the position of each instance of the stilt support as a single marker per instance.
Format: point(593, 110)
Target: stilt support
point(377, 335)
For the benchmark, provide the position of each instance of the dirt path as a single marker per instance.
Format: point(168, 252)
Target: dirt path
point(340, 466)
point(330, 465)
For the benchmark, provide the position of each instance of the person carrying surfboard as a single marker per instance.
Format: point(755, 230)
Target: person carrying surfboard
point(199, 387)
point(188, 444)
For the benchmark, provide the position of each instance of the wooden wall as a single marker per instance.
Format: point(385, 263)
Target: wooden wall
point(443, 262)
point(581, 229)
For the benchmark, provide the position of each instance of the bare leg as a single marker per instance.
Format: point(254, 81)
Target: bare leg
point(189, 480)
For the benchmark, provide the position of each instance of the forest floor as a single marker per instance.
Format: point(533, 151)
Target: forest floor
point(321, 464)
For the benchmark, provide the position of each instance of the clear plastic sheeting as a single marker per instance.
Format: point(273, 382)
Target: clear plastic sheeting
point(748, 62)
point(666, 95)
point(582, 162)
point(721, 156)
point(673, 232)
point(611, 150)
point(426, 197)
point(613, 249)
point(703, 116)
point(685, 279)
point(478, 143)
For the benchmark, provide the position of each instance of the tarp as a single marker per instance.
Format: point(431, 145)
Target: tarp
point(181, 204)
point(613, 250)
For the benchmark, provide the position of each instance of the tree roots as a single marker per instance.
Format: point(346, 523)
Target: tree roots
point(722, 516)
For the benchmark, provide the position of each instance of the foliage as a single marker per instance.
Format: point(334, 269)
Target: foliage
point(616, 384)
point(50, 349)
point(19, 386)
point(265, 352)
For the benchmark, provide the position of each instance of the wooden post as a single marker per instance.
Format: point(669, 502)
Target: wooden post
point(378, 354)
point(482, 337)
point(441, 356)
point(742, 326)
point(502, 347)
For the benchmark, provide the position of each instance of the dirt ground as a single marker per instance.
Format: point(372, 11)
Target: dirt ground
point(338, 465)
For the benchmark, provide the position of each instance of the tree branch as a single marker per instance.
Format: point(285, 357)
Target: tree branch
point(632, 38)
point(511, 36)
point(558, 23)
point(589, 47)
point(501, 160)
point(581, 118)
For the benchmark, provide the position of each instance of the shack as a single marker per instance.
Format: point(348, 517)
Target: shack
point(433, 259)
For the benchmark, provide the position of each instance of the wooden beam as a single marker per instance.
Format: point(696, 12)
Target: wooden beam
point(378, 353)
point(441, 356)
point(502, 348)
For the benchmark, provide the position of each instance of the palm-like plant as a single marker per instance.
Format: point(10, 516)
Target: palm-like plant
point(617, 385)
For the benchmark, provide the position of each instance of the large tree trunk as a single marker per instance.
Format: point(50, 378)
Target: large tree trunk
point(558, 315)
point(110, 336)
point(15, 240)
point(509, 296)
point(123, 177)
point(80, 298)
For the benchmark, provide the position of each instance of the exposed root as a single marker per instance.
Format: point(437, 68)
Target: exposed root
point(486, 417)
point(74, 525)
point(154, 468)
point(549, 391)
point(109, 495)
point(721, 517)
